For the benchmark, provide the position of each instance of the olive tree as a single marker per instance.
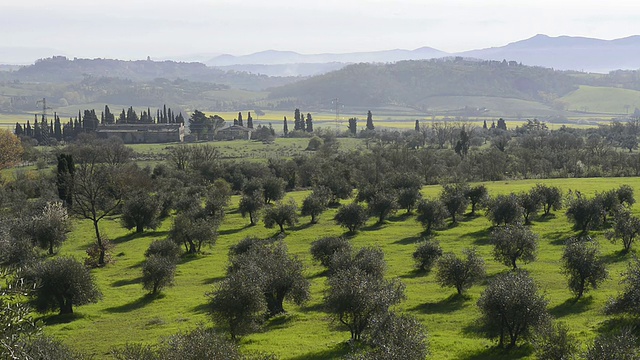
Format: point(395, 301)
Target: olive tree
point(504, 209)
point(157, 273)
point(281, 213)
point(352, 216)
point(354, 298)
point(478, 196)
point(237, 303)
point(584, 267)
point(585, 214)
point(62, 283)
point(622, 345)
point(550, 197)
point(381, 205)
point(512, 243)
point(323, 250)
point(626, 227)
point(627, 300)
point(530, 204)
point(460, 273)
point(281, 274)
point(554, 342)
point(314, 205)
point(251, 204)
point(394, 336)
point(426, 255)
point(454, 200)
point(141, 211)
point(49, 228)
point(431, 214)
point(511, 307)
point(192, 230)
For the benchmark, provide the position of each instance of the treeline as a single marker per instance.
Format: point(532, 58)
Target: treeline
point(52, 132)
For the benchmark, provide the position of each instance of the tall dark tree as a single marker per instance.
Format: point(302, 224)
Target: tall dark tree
point(57, 129)
point(309, 123)
point(370, 121)
point(240, 122)
point(502, 125)
point(298, 120)
point(463, 144)
point(249, 121)
point(64, 178)
point(285, 128)
point(417, 127)
point(353, 126)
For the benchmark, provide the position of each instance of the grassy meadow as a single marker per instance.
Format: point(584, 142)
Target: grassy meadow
point(125, 314)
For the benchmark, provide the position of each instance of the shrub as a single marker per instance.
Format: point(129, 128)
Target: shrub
point(426, 255)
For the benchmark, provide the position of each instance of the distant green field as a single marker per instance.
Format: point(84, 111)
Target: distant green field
point(607, 100)
point(125, 315)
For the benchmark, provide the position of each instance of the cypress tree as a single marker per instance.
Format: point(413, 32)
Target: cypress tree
point(417, 126)
point(370, 121)
point(285, 128)
point(28, 129)
point(297, 125)
point(309, 123)
point(249, 121)
point(18, 131)
point(240, 119)
point(165, 117)
point(57, 129)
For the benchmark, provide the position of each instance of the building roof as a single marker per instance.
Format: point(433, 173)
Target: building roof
point(236, 128)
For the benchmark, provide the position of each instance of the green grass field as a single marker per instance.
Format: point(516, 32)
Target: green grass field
point(605, 100)
point(126, 315)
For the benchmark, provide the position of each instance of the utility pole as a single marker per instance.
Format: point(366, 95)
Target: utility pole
point(337, 104)
point(44, 107)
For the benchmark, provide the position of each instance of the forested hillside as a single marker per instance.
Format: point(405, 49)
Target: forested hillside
point(411, 83)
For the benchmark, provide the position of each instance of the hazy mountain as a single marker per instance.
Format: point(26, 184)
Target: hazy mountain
point(568, 53)
point(273, 57)
point(310, 69)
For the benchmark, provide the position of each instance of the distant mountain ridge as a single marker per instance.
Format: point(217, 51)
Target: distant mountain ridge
point(568, 53)
point(274, 57)
point(562, 52)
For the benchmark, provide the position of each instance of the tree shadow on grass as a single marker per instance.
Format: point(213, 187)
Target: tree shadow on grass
point(480, 237)
point(409, 240)
point(135, 304)
point(187, 258)
point(494, 352)
point(558, 238)
point(619, 322)
point(201, 309)
point(318, 307)
point(375, 227)
point(401, 217)
point(60, 319)
point(322, 273)
point(571, 307)
point(453, 303)
point(335, 352)
point(126, 282)
point(234, 231)
point(302, 226)
point(281, 321)
point(213, 280)
point(135, 235)
point(615, 257)
point(545, 218)
point(416, 273)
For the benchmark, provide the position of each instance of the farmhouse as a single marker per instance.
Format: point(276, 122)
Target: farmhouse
point(234, 132)
point(143, 133)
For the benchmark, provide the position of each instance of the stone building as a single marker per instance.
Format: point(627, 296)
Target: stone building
point(143, 133)
point(234, 132)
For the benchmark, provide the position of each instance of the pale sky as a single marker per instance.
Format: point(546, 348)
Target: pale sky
point(135, 29)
